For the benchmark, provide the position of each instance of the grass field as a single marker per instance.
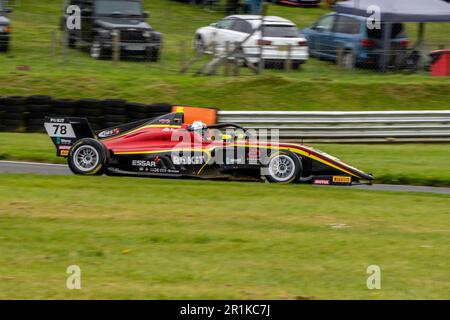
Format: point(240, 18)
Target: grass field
point(319, 85)
point(420, 164)
point(172, 239)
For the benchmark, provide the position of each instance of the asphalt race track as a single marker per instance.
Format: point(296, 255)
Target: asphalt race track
point(60, 169)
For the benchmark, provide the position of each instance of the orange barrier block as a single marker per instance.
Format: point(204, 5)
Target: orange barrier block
point(191, 114)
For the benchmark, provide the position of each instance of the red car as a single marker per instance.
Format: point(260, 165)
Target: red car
point(168, 147)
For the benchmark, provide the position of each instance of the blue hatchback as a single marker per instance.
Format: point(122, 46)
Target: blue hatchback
point(350, 33)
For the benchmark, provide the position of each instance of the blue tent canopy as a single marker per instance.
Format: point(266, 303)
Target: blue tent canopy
point(400, 10)
point(393, 11)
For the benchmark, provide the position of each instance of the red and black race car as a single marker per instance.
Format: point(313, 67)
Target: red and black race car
point(168, 147)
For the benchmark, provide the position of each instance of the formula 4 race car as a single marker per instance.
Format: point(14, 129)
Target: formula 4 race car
point(167, 147)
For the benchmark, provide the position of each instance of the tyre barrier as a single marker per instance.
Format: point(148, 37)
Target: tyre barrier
point(26, 114)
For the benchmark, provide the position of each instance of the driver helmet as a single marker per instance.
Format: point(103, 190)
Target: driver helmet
point(198, 126)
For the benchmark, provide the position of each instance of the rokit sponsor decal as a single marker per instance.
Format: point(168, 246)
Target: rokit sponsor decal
point(178, 160)
point(109, 133)
point(342, 179)
point(321, 181)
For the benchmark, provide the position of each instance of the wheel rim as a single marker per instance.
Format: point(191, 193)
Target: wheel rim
point(86, 158)
point(282, 168)
point(95, 50)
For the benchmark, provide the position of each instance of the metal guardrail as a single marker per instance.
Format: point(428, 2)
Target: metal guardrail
point(370, 126)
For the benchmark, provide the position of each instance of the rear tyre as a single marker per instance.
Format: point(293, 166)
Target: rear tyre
point(88, 157)
point(152, 55)
point(283, 167)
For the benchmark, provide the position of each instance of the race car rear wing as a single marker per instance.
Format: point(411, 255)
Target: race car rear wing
point(65, 131)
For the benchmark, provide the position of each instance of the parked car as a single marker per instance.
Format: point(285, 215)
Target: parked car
point(298, 3)
point(101, 20)
point(277, 35)
point(5, 28)
point(349, 33)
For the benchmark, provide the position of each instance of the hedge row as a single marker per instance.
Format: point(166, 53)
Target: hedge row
point(26, 114)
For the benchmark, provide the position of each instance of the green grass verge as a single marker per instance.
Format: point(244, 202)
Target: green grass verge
point(318, 86)
point(172, 239)
point(419, 164)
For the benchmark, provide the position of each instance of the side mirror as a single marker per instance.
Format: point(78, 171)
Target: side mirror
point(146, 15)
point(8, 10)
point(86, 12)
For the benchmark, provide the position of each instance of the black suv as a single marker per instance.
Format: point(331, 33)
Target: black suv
point(5, 28)
point(102, 20)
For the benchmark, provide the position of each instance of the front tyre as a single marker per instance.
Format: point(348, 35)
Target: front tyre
point(88, 157)
point(283, 167)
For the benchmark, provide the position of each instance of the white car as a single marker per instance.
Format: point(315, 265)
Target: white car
point(278, 34)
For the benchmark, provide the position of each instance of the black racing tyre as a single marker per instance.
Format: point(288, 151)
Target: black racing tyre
point(114, 106)
point(109, 124)
point(67, 112)
point(14, 104)
point(135, 116)
point(115, 118)
point(88, 157)
point(13, 123)
point(7, 128)
point(159, 107)
point(65, 103)
point(15, 108)
point(132, 107)
point(14, 100)
point(39, 108)
point(14, 115)
point(113, 103)
point(35, 122)
point(39, 99)
point(88, 103)
point(88, 108)
point(89, 112)
point(35, 129)
point(64, 107)
point(283, 167)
